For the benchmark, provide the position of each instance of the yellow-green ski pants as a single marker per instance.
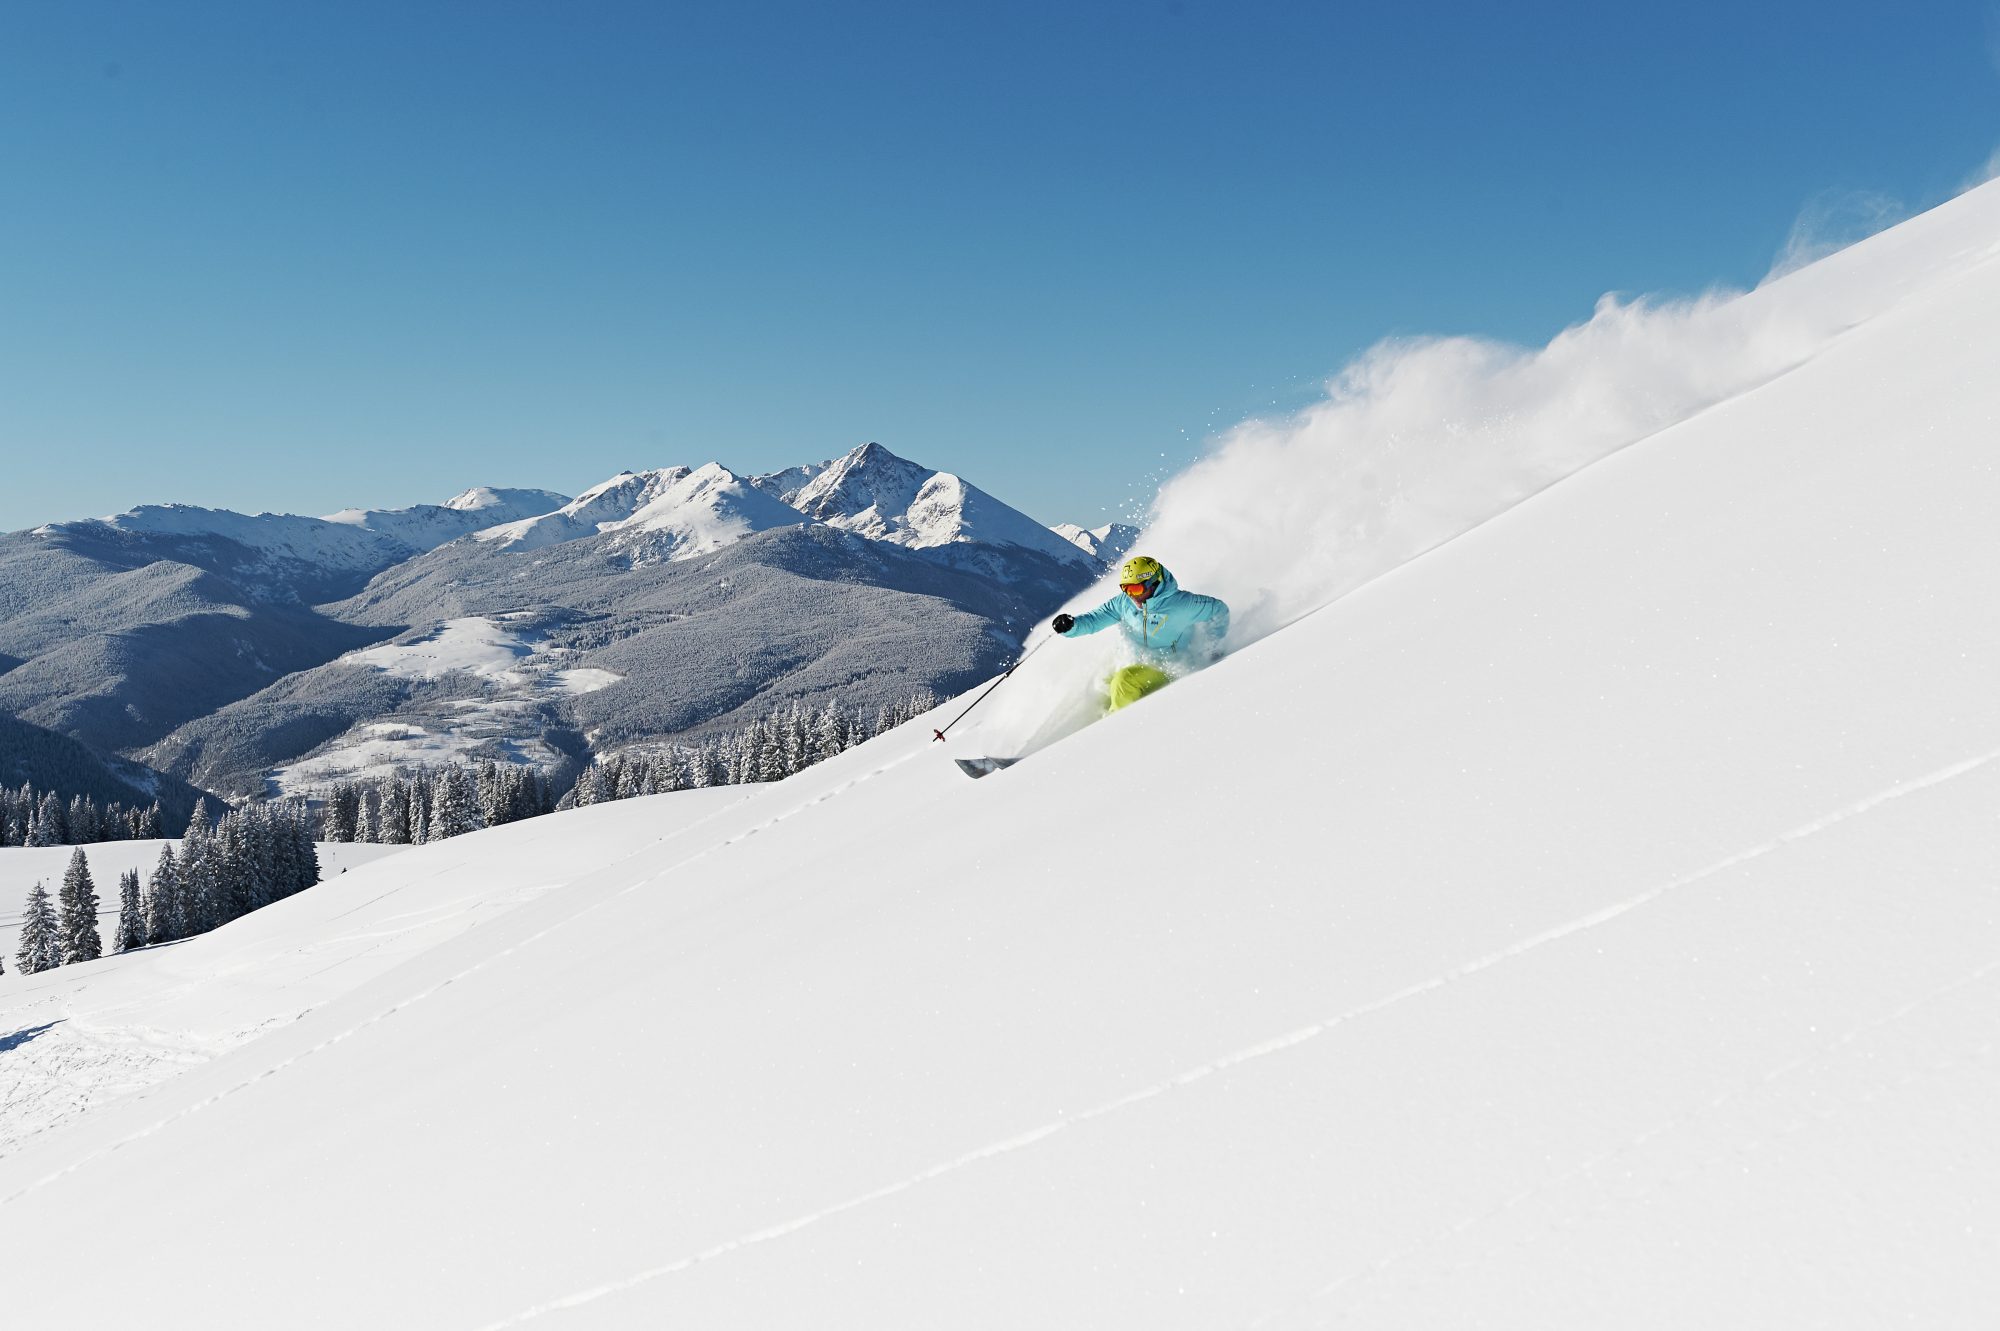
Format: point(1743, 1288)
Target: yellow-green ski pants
point(1133, 683)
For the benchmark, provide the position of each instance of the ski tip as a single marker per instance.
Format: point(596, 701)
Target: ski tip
point(978, 767)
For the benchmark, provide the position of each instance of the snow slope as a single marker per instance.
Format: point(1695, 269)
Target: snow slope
point(1591, 923)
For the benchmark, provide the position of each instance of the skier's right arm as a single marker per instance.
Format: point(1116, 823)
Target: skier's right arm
point(1090, 621)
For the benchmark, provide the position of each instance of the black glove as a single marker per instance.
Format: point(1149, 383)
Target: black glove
point(1063, 624)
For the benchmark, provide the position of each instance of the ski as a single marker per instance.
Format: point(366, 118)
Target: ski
point(978, 767)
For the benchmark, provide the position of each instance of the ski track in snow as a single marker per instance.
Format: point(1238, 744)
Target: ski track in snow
point(1744, 1090)
point(1023, 1140)
point(330, 1041)
point(1294, 1038)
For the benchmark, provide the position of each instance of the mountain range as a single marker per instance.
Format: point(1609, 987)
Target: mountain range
point(271, 653)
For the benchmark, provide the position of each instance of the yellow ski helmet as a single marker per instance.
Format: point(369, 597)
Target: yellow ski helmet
point(1140, 568)
point(1143, 572)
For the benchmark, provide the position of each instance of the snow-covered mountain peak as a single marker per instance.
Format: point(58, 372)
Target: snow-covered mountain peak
point(870, 478)
point(269, 536)
point(427, 526)
point(486, 499)
point(1106, 544)
point(699, 512)
point(599, 509)
point(874, 493)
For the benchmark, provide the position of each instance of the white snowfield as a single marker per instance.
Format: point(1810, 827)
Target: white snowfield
point(1592, 923)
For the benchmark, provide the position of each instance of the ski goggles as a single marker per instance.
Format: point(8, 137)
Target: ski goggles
point(1139, 591)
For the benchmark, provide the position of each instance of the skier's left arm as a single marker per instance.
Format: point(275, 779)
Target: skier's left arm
point(1212, 625)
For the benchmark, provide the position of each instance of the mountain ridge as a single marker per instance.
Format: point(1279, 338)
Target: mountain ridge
point(278, 603)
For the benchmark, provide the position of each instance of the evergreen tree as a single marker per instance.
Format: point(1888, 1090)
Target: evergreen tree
point(795, 731)
point(453, 811)
point(338, 825)
point(491, 791)
point(131, 914)
point(366, 818)
point(203, 905)
point(305, 855)
point(239, 885)
point(829, 732)
point(163, 899)
point(770, 750)
point(82, 821)
point(41, 937)
point(395, 815)
point(46, 827)
point(78, 919)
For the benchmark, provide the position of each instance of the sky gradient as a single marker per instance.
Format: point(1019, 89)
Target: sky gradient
point(302, 257)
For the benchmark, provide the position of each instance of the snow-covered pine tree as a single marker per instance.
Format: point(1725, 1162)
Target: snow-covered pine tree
point(235, 873)
point(771, 749)
point(795, 733)
point(489, 786)
point(394, 818)
point(829, 732)
point(338, 824)
point(269, 849)
point(82, 821)
point(203, 904)
point(78, 918)
point(298, 858)
point(163, 899)
point(453, 812)
point(131, 914)
point(45, 828)
point(588, 783)
point(40, 947)
point(367, 816)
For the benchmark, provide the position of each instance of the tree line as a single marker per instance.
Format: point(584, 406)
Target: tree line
point(262, 852)
point(254, 855)
point(454, 798)
point(30, 817)
point(784, 743)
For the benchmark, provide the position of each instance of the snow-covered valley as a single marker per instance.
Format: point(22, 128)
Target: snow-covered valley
point(1576, 904)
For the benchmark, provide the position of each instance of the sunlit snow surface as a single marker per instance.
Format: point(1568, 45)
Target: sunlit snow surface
point(1591, 923)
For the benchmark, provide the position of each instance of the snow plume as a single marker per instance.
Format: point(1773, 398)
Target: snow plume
point(1416, 442)
point(1419, 441)
point(1831, 222)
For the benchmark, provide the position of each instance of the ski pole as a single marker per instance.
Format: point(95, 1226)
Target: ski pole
point(938, 735)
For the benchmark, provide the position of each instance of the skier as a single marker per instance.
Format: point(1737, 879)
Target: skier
point(1173, 630)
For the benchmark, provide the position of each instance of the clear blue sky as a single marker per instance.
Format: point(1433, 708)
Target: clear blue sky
point(301, 256)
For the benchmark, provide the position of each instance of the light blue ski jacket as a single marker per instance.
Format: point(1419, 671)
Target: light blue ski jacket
point(1173, 627)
